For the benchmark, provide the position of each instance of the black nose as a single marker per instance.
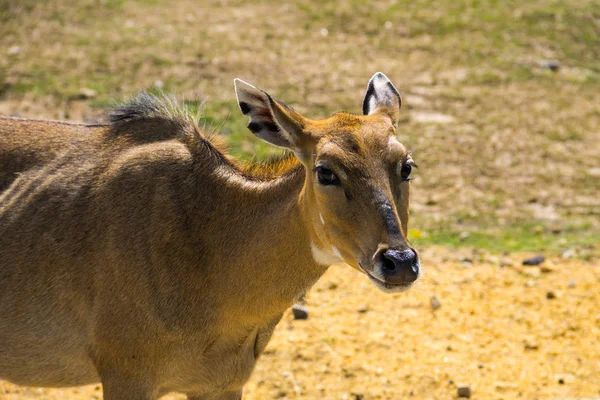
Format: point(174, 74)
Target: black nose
point(400, 266)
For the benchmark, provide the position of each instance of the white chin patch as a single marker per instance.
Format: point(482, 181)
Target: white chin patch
point(324, 257)
point(384, 287)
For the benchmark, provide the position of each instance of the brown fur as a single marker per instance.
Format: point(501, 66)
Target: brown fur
point(137, 253)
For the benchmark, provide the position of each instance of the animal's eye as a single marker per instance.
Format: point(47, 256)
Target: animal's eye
point(405, 172)
point(327, 176)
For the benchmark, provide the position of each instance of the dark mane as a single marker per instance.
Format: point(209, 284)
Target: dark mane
point(145, 105)
point(149, 107)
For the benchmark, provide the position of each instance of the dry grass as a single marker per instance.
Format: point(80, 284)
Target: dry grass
point(500, 140)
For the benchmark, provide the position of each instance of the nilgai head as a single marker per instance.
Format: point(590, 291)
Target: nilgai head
point(357, 179)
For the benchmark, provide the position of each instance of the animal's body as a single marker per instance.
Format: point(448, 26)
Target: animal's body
point(138, 254)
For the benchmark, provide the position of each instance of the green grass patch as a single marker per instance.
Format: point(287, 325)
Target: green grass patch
point(524, 237)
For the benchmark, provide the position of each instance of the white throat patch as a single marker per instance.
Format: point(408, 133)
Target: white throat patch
point(336, 251)
point(325, 258)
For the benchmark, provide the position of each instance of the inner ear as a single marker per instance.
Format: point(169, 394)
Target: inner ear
point(382, 96)
point(270, 120)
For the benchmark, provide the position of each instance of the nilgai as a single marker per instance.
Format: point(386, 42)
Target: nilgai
point(138, 254)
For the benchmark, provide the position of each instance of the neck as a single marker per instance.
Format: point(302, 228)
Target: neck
point(276, 255)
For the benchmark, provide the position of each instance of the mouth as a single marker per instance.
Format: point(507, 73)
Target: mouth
point(386, 286)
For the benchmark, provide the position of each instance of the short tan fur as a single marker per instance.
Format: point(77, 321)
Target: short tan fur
point(140, 255)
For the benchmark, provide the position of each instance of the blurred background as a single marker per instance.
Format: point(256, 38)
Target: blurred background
point(501, 108)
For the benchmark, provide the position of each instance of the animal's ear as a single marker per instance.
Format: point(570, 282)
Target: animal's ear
point(382, 96)
point(270, 119)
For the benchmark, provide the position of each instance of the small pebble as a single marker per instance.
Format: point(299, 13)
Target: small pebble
point(529, 344)
point(550, 295)
point(535, 260)
point(86, 93)
point(363, 309)
point(300, 311)
point(506, 262)
point(533, 272)
point(435, 303)
point(546, 269)
point(505, 385)
point(464, 391)
point(493, 260)
point(552, 65)
point(564, 379)
point(569, 253)
point(572, 284)
point(14, 50)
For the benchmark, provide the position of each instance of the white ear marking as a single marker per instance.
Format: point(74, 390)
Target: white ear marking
point(381, 92)
point(257, 105)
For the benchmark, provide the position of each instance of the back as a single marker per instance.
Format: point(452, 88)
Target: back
point(27, 144)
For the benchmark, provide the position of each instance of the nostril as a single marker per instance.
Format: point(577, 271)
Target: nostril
point(388, 264)
point(399, 266)
point(393, 260)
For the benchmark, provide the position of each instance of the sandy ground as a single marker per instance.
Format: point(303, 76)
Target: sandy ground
point(504, 330)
